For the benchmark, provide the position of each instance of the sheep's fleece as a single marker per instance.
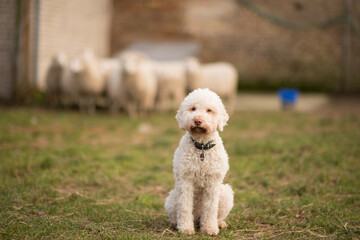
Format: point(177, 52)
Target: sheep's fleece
point(199, 196)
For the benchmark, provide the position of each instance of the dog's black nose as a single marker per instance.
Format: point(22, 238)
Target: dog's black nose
point(197, 122)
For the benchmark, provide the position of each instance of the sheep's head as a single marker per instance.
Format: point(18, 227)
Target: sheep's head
point(131, 61)
point(76, 66)
point(130, 66)
point(192, 66)
point(60, 60)
point(193, 76)
point(202, 113)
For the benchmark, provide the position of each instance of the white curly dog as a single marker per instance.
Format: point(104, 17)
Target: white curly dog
point(200, 164)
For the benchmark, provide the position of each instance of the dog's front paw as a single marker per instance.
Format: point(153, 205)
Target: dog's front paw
point(210, 230)
point(189, 231)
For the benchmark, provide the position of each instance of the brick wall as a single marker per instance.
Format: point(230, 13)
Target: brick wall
point(7, 47)
point(153, 20)
point(262, 51)
point(71, 26)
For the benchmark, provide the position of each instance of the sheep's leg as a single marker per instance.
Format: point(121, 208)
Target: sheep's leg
point(131, 109)
point(91, 106)
point(57, 100)
point(82, 104)
point(114, 107)
point(148, 102)
point(67, 101)
point(159, 103)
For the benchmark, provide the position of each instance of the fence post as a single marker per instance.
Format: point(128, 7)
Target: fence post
point(22, 61)
point(344, 83)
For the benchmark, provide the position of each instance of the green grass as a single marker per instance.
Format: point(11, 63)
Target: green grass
point(72, 176)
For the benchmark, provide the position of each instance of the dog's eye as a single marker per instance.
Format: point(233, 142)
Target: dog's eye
point(209, 110)
point(193, 109)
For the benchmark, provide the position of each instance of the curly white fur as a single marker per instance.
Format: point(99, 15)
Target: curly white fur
point(199, 195)
point(220, 77)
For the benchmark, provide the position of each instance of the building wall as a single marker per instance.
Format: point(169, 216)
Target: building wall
point(70, 26)
point(263, 52)
point(7, 47)
point(149, 20)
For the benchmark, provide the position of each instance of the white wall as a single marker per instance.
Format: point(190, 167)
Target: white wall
point(70, 26)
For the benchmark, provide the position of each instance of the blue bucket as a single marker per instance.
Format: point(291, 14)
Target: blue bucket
point(288, 96)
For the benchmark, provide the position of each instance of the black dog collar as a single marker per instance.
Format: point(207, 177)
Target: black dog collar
point(202, 147)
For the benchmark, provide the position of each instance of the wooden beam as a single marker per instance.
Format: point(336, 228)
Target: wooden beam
point(344, 84)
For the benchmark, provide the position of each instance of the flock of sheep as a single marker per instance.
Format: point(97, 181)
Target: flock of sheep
point(133, 82)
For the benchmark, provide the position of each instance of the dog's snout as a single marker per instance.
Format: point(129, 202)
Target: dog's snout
point(197, 122)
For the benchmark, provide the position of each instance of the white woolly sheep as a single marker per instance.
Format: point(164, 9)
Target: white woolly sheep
point(92, 82)
point(83, 81)
point(139, 84)
point(69, 83)
point(171, 77)
point(220, 77)
point(112, 71)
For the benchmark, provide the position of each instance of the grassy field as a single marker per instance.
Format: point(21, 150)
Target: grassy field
point(72, 176)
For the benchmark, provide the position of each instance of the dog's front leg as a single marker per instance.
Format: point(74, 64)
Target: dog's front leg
point(185, 218)
point(209, 211)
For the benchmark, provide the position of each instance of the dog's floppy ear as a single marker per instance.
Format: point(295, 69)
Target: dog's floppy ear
point(179, 117)
point(223, 118)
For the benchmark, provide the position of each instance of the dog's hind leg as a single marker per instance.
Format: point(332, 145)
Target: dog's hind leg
point(170, 207)
point(226, 202)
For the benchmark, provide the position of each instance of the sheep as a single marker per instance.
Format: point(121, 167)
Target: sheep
point(139, 83)
point(91, 82)
point(83, 81)
point(112, 70)
point(171, 77)
point(53, 79)
point(69, 83)
point(220, 77)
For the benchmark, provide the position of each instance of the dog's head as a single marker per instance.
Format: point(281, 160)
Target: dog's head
point(202, 113)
